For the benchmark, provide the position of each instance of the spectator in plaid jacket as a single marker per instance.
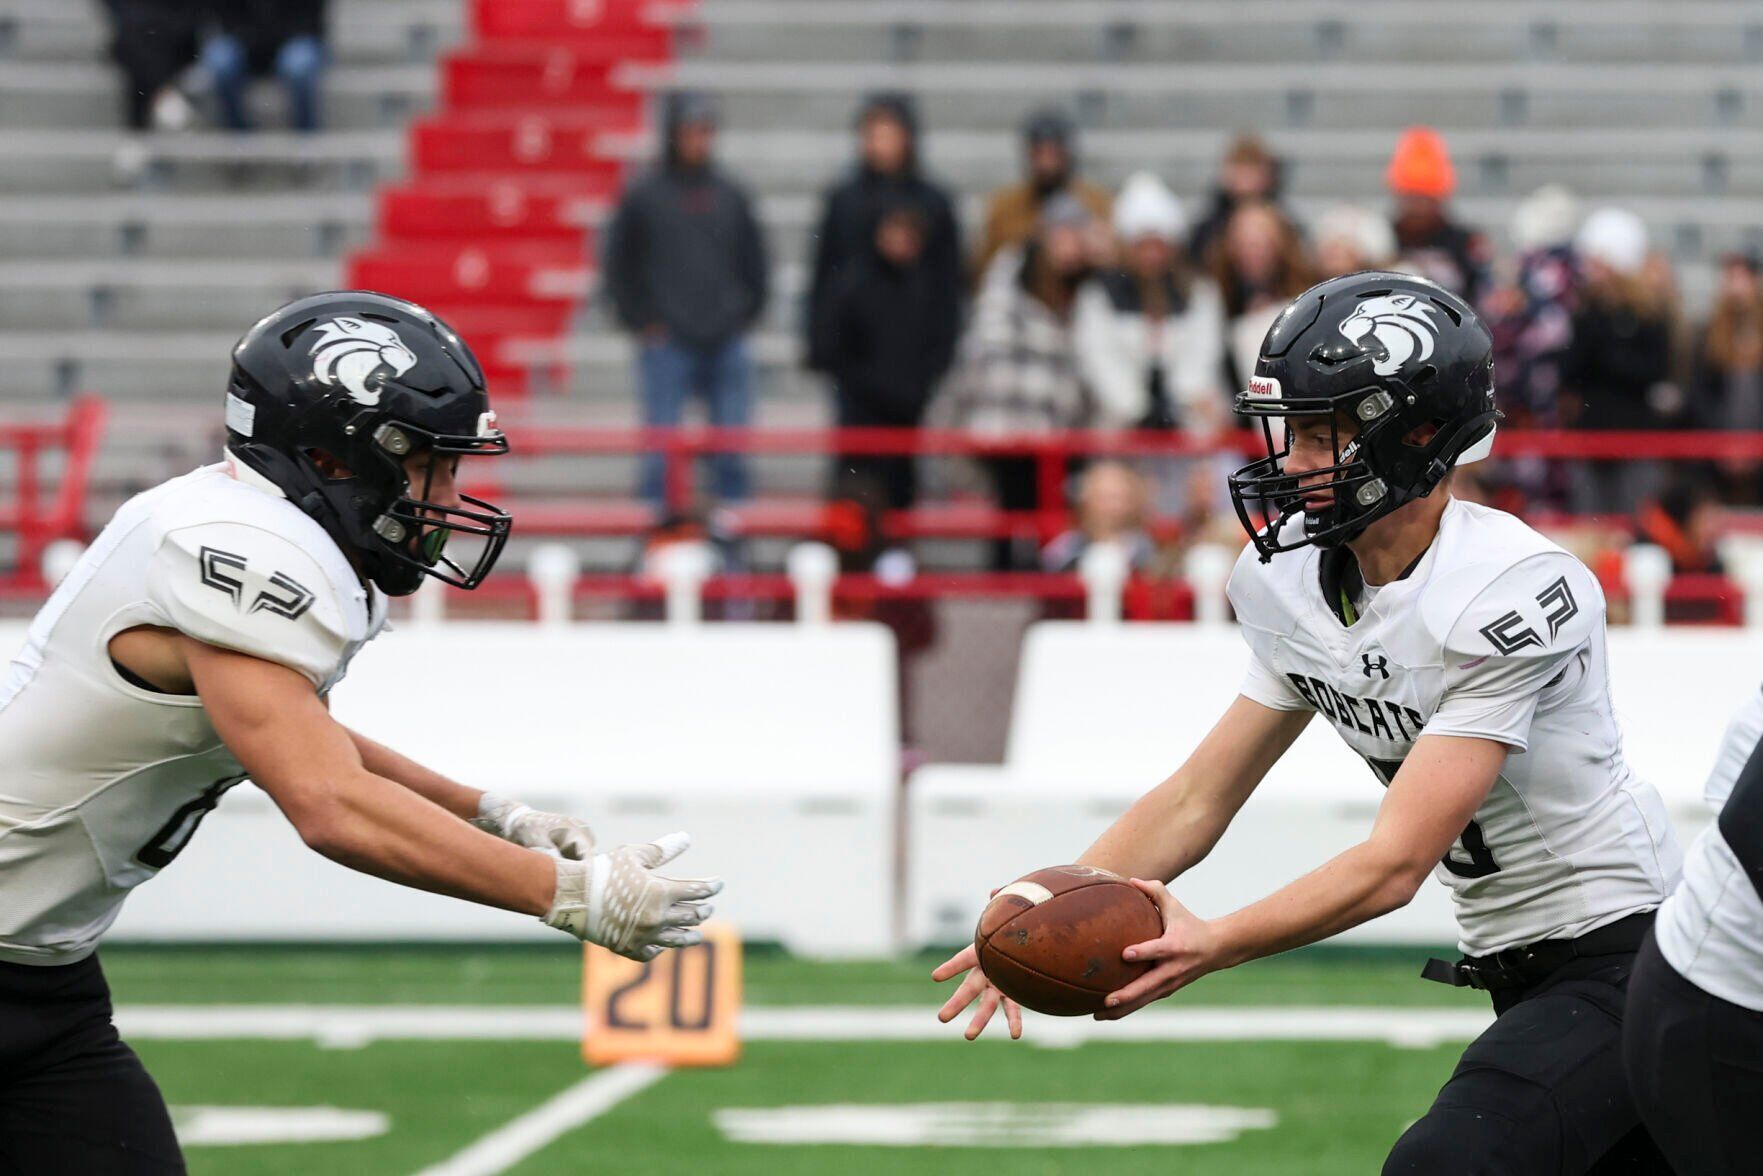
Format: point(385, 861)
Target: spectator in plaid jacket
point(1018, 371)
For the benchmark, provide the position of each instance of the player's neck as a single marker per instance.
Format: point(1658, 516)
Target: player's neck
point(1393, 544)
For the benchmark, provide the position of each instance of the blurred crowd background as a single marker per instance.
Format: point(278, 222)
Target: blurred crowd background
point(1129, 297)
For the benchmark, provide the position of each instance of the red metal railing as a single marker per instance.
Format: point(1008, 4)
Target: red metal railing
point(35, 514)
point(681, 448)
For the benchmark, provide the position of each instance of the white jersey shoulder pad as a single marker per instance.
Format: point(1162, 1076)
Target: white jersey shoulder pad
point(1524, 604)
point(1270, 595)
point(240, 586)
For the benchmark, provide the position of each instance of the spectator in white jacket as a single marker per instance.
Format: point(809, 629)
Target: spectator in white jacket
point(1150, 335)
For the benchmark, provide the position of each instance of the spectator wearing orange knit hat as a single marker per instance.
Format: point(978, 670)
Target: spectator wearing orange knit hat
point(1428, 242)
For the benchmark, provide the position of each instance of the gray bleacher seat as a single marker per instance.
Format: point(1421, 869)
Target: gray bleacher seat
point(135, 279)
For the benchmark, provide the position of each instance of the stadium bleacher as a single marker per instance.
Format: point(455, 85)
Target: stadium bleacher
point(128, 267)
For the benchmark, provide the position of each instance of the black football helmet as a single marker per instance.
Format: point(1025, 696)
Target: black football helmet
point(369, 381)
point(1381, 354)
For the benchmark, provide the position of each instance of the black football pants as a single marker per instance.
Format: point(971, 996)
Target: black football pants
point(1695, 1064)
point(73, 1097)
point(1541, 1092)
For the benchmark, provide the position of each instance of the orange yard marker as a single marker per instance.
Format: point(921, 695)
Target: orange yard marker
point(678, 1009)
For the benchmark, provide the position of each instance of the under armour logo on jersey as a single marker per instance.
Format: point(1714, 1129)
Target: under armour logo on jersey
point(351, 351)
point(221, 571)
point(1400, 323)
point(1510, 633)
point(1376, 665)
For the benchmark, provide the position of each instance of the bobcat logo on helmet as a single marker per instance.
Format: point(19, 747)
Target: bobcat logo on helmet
point(350, 350)
point(1401, 323)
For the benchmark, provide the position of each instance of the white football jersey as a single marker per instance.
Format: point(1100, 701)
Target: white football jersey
point(1711, 928)
point(102, 782)
point(1497, 634)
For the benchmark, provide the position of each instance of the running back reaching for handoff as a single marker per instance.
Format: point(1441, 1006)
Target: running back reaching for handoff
point(195, 644)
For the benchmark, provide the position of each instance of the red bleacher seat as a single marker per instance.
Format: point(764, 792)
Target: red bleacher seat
point(619, 29)
point(506, 274)
point(524, 75)
point(502, 213)
point(522, 144)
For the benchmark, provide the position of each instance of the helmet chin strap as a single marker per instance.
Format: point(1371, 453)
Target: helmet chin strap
point(240, 472)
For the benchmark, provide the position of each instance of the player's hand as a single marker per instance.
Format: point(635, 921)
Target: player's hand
point(525, 826)
point(617, 899)
point(1187, 950)
point(973, 987)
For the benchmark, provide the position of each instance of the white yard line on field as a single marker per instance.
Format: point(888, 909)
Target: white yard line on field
point(513, 1142)
point(353, 1026)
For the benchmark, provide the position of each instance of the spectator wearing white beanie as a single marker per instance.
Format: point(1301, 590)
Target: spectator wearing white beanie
point(1150, 334)
point(1351, 238)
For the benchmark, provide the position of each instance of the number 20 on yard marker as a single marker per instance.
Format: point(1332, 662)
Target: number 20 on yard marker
point(678, 1009)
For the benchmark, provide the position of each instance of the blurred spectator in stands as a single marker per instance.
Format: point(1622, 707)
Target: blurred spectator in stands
point(153, 42)
point(1685, 521)
point(886, 174)
point(1618, 365)
point(684, 268)
point(1350, 239)
point(1018, 371)
point(887, 334)
point(1529, 310)
point(1112, 501)
point(1049, 141)
point(256, 38)
point(1428, 242)
point(1248, 174)
point(1729, 369)
point(1259, 265)
point(1150, 335)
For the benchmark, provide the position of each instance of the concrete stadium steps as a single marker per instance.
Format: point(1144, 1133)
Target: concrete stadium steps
point(86, 94)
point(219, 226)
point(1466, 94)
point(1256, 31)
point(154, 294)
point(143, 365)
point(198, 162)
point(376, 31)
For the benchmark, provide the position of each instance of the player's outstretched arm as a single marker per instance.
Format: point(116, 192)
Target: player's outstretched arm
point(1165, 833)
point(273, 720)
point(508, 819)
point(1432, 799)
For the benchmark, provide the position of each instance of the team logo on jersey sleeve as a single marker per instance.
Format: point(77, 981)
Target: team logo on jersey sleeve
point(1400, 323)
point(285, 596)
point(351, 351)
point(1510, 633)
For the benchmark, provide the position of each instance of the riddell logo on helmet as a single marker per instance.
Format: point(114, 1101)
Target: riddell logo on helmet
point(350, 350)
point(1401, 323)
point(1264, 386)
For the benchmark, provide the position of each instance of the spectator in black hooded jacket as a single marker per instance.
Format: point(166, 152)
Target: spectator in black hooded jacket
point(886, 173)
point(684, 268)
point(887, 334)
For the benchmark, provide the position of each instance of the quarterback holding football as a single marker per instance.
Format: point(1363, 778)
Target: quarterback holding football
point(1462, 655)
point(195, 645)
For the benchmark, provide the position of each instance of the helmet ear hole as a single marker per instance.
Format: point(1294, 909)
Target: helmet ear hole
point(328, 467)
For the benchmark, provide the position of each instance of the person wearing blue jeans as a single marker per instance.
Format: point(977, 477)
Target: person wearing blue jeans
point(252, 38)
point(722, 376)
point(684, 270)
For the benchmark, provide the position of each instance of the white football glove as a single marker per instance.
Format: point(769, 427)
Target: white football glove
point(617, 900)
point(525, 826)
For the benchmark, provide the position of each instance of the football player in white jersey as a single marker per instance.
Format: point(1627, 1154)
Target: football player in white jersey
point(195, 644)
point(1462, 655)
point(1692, 1039)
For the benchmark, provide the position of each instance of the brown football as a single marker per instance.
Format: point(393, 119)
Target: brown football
point(1051, 940)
